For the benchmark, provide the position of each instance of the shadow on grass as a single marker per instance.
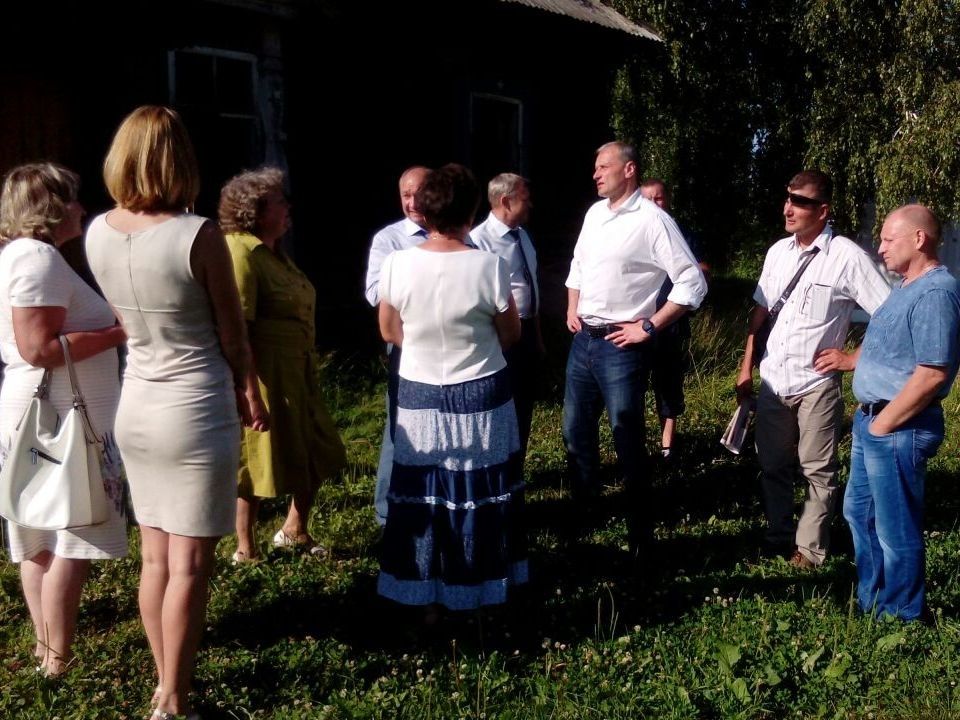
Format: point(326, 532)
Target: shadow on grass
point(585, 583)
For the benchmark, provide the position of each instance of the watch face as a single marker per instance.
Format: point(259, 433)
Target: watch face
point(649, 327)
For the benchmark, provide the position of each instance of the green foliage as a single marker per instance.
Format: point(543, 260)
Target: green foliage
point(884, 117)
point(717, 112)
point(742, 94)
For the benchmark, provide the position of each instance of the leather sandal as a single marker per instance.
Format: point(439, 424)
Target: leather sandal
point(304, 542)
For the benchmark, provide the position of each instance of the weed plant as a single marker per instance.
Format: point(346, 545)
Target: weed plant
point(702, 627)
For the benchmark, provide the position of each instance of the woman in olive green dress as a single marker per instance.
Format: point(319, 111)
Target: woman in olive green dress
point(302, 447)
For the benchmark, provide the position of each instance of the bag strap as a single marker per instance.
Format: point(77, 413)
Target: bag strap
point(78, 400)
point(778, 306)
point(42, 390)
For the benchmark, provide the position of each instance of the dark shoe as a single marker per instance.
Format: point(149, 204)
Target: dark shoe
point(801, 562)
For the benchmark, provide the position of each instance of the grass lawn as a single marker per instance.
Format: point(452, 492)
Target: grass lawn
point(705, 628)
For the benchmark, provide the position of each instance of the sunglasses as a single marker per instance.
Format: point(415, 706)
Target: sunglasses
point(803, 201)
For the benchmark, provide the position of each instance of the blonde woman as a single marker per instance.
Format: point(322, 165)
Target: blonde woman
point(303, 447)
point(41, 298)
point(167, 274)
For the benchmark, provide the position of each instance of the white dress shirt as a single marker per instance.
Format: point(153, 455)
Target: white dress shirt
point(622, 258)
point(817, 314)
point(494, 236)
point(396, 236)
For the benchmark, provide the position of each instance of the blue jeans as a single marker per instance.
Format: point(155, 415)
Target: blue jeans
point(599, 374)
point(884, 506)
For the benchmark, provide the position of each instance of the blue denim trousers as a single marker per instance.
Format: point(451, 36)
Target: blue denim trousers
point(884, 506)
point(385, 466)
point(599, 374)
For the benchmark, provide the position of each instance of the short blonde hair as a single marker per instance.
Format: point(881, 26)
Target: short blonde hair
point(34, 200)
point(241, 199)
point(151, 166)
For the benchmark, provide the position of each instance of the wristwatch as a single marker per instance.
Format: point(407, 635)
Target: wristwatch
point(649, 328)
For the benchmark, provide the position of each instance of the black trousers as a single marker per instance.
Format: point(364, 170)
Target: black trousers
point(524, 362)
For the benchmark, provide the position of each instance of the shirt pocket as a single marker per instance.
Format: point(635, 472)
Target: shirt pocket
point(816, 302)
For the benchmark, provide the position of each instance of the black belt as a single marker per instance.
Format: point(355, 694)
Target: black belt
point(598, 331)
point(871, 409)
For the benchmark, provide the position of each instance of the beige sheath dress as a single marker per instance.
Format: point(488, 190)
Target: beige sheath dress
point(177, 425)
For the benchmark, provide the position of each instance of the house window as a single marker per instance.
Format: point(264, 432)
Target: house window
point(216, 92)
point(496, 132)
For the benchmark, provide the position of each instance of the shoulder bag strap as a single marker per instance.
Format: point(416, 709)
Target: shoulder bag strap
point(78, 400)
point(775, 310)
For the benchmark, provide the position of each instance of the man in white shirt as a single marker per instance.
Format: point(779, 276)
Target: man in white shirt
point(503, 233)
point(400, 235)
point(800, 406)
point(626, 249)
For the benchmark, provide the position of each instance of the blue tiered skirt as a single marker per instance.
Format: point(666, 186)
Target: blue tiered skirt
point(454, 532)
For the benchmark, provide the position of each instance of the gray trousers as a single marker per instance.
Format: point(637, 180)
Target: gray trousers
point(798, 436)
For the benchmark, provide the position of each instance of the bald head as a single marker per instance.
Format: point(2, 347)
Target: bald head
point(911, 218)
point(909, 239)
point(410, 182)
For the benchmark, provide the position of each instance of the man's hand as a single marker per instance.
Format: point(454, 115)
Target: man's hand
point(573, 321)
point(832, 359)
point(631, 333)
point(744, 386)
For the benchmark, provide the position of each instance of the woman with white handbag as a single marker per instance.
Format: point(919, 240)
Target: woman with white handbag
point(42, 298)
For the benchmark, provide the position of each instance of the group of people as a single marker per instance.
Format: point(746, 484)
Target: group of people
point(218, 325)
point(169, 281)
point(811, 283)
point(460, 311)
point(633, 279)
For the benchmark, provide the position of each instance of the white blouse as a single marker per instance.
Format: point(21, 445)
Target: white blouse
point(447, 302)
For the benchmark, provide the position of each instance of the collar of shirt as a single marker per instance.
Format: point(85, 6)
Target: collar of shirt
point(248, 240)
point(410, 228)
point(631, 204)
point(499, 227)
point(822, 241)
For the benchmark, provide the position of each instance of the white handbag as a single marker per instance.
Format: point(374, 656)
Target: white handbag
point(52, 477)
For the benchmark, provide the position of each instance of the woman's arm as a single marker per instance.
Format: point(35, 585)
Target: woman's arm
point(258, 409)
point(37, 331)
point(391, 326)
point(507, 325)
point(213, 269)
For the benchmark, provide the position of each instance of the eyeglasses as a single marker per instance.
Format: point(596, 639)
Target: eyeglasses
point(803, 200)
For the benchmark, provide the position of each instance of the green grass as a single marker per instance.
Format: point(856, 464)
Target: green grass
point(705, 628)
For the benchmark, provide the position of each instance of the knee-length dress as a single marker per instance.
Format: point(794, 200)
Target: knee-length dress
point(34, 274)
point(177, 425)
point(302, 446)
point(454, 533)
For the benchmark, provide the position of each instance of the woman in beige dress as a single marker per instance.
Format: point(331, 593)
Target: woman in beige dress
point(168, 275)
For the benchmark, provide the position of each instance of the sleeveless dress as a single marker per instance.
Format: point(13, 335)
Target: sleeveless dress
point(34, 274)
point(177, 425)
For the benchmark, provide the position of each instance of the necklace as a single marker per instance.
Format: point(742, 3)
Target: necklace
point(927, 268)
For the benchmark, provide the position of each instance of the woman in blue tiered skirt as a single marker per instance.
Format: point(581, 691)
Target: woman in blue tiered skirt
point(454, 534)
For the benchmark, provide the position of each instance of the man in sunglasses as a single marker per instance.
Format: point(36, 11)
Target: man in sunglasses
point(799, 405)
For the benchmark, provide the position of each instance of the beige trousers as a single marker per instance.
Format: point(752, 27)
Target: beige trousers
point(798, 436)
